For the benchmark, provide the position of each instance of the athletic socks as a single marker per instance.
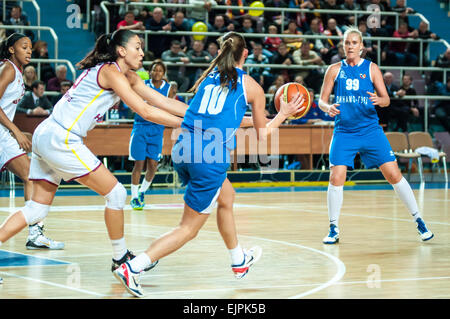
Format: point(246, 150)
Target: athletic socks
point(119, 248)
point(406, 195)
point(134, 191)
point(335, 196)
point(237, 255)
point(145, 185)
point(140, 262)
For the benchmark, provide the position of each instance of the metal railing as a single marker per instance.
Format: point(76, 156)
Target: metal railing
point(35, 5)
point(70, 66)
point(52, 32)
point(282, 11)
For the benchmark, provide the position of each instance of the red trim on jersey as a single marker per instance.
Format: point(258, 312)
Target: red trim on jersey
point(86, 173)
point(44, 180)
point(98, 83)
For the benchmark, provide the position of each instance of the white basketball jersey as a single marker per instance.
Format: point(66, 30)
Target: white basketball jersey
point(85, 103)
point(12, 95)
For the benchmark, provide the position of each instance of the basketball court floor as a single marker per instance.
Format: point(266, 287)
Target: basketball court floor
point(380, 254)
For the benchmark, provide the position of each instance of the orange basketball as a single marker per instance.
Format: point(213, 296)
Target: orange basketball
point(288, 91)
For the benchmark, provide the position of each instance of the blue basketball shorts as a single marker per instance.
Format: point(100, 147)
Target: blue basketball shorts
point(145, 142)
point(373, 148)
point(204, 182)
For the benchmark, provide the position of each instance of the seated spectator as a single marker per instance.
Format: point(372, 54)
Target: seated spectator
point(143, 15)
point(274, 17)
point(197, 55)
point(54, 84)
point(315, 114)
point(157, 22)
point(200, 11)
point(29, 76)
point(213, 49)
point(442, 108)
point(340, 55)
point(65, 86)
point(272, 43)
point(400, 7)
point(349, 20)
point(321, 46)
point(40, 51)
point(246, 27)
point(220, 25)
point(129, 23)
point(306, 56)
point(400, 111)
point(399, 52)
point(174, 90)
point(179, 23)
point(18, 19)
point(262, 75)
point(282, 56)
point(294, 42)
point(422, 32)
point(332, 5)
point(332, 30)
point(383, 112)
point(176, 73)
point(369, 51)
point(34, 102)
point(442, 61)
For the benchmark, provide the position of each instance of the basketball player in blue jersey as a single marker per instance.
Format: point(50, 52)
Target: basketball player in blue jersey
point(358, 87)
point(146, 140)
point(201, 158)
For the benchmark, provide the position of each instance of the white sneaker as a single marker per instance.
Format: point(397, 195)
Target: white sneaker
point(1, 281)
point(333, 235)
point(250, 257)
point(129, 279)
point(37, 240)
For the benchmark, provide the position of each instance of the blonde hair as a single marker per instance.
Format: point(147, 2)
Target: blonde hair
point(351, 30)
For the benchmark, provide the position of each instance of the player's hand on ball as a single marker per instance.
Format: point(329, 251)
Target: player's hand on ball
point(293, 107)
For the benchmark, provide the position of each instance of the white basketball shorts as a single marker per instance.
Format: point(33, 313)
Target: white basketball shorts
point(9, 149)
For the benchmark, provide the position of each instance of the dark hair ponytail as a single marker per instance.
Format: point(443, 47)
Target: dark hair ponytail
point(7, 43)
point(232, 46)
point(106, 48)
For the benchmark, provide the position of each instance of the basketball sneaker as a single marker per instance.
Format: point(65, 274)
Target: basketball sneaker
point(129, 279)
point(424, 233)
point(1, 280)
point(250, 257)
point(136, 204)
point(37, 240)
point(128, 256)
point(333, 235)
point(141, 198)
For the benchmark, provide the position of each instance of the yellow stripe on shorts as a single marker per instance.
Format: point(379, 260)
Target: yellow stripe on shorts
point(73, 124)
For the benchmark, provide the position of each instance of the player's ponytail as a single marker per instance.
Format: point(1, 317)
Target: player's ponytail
point(7, 43)
point(106, 48)
point(232, 46)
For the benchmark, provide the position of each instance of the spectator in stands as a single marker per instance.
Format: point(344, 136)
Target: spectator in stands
point(179, 23)
point(197, 55)
point(157, 22)
point(348, 20)
point(174, 90)
point(200, 11)
point(276, 84)
point(261, 74)
point(235, 14)
point(294, 42)
point(422, 32)
point(34, 102)
point(213, 49)
point(40, 51)
point(369, 52)
point(247, 28)
point(399, 52)
point(442, 108)
point(400, 7)
point(333, 30)
point(272, 43)
point(65, 86)
point(340, 55)
point(400, 111)
point(442, 61)
point(143, 15)
point(391, 88)
point(274, 17)
point(130, 23)
point(321, 46)
point(176, 73)
point(29, 76)
point(306, 56)
point(220, 25)
point(332, 5)
point(282, 56)
point(387, 22)
point(54, 84)
point(18, 19)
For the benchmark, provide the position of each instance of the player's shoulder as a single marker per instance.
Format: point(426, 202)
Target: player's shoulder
point(333, 69)
point(251, 86)
point(7, 71)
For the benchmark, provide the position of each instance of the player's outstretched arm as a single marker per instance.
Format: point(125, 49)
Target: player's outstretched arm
point(110, 77)
point(155, 98)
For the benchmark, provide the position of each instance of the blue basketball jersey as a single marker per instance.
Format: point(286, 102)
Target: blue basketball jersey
point(216, 112)
point(164, 90)
point(357, 113)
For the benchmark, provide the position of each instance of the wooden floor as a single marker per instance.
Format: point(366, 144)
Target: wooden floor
point(380, 254)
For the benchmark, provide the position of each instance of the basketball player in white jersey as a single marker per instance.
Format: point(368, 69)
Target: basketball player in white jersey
point(15, 52)
point(58, 150)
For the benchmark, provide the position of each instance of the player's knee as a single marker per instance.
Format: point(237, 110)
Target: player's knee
point(227, 200)
point(117, 197)
point(189, 233)
point(34, 212)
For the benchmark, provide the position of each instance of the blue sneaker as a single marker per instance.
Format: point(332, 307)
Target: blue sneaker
point(424, 233)
point(333, 235)
point(136, 204)
point(141, 199)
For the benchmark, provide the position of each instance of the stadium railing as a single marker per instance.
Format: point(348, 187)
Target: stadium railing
point(35, 5)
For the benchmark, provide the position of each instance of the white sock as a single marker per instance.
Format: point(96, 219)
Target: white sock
point(335, 197)
point(145, 185)
point(134, 191)
point(405, 193)
point(237, 255)
point(140, 262)
point(119, 248)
